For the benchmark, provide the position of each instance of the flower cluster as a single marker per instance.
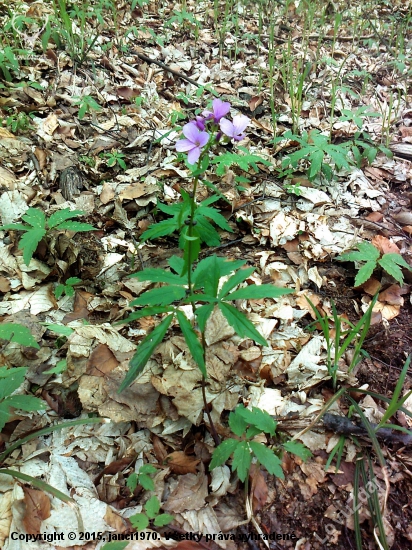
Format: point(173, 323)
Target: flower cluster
point(197, 137)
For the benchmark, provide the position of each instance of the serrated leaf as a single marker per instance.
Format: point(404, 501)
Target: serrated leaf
point(131, 482)
point(268, 459)
point(236, 423)
point(29, 242)
point(147, 469)
point(243, 327)
point(367, 253)
point(59, 291)
point(176, 263)
point(223, 452)
point(364, 273)
point(207, 232)
point(15, 332)
point(391, 262)
point(165, 227)
point(157, 276)
point(16, 226)
point(144, 351)
point(152, 507)
point(240, 276)
point(192, 341)
point(163, 519)
point(73, 281)
point(35, 218)
point(258, 418)
point(297, 449)
point(256, 292)
point(60, 367)
point(207, 274)
point(146, 482)
point(26, 403)
point(214, 215)
point(162, 296)
point(10, 380)
point(75, 226)
point(316, 159)
point(202, 315)
point(241, 460)
point(62, 215)
point(337, 157)
point(139, 521)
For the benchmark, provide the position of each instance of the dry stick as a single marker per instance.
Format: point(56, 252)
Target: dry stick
point(165, 67)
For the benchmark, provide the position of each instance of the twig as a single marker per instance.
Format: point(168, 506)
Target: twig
point(165, 67)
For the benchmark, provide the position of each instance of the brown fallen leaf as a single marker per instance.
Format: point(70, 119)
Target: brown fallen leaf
point(259, 489)
point(37, 505)
point(181, 463)
point(384, 245)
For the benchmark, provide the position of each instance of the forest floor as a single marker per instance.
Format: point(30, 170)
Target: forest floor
point(91, 115)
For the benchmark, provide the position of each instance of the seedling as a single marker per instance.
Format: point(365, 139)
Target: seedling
point(113, 158)
point(246, 424)
point(369, 258)
point(37, 227)
point(142, 478)
point(19, 122)
point(67, 287)
point(152, 508)
point(86, 105)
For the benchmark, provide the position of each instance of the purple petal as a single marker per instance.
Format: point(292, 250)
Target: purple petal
point(202, 139)
point(240, 122)
point(200, 123)
point(193, 155)
point(184, 145)
point(207, 114)
point(227, 127)
point(191, 131)
point(220, 109)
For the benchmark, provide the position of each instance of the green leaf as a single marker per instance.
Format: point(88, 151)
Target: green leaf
point(256, 292)
point(10, 380)
point(15, 332)
point(131, 482)
point(258, 418)
point(59, 291)
point(75, 226)
point(242, 459)
point(73, 281)
point(207, 274)
point(268, 459)
point(243, 327)
point(364, 273)
point(145, 312)
point(162, 296)
point(202, 315)
point(367, 253)
point(62, 215)
point(214, 215)
point(223, 452)
point(146, 482)
point(297, 449)
point(115, 545)
point(59, 329)
point(26, 403)
point(4, 414)
point(157, 276)
point(176, 263)
point(316, 163)
point(139, 521)
point(35, 217)
point(163, 519)
point(60, 367)
point(338, 158)
point(165, 227)
point(144, 351)
point(207, 232)
point(192, 341)
point(147, 469)
point(236, 423)
point(240, 276)
point(16, 226)
point(29, 242)
point(391, 262)
point(152, 507)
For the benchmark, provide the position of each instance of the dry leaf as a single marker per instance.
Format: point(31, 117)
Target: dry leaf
point(37, 509)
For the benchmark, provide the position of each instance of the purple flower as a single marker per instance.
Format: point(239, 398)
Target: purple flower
point(234, 129)
point(200, 122)
point(220, 109)
point(196, 139)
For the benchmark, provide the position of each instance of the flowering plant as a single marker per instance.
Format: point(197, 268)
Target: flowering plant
point(188, 283)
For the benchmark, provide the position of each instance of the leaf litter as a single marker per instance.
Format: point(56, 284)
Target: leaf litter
point(291, 237)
